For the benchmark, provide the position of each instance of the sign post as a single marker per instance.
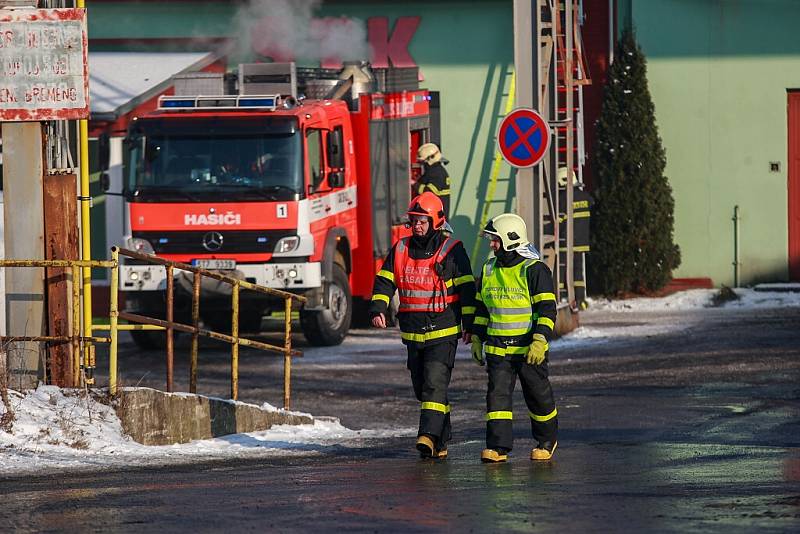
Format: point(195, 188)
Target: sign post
point(43, 77)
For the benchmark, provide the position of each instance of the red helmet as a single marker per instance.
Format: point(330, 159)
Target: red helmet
point(428, 205)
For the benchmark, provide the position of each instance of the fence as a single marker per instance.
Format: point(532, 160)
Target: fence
point(83, 354)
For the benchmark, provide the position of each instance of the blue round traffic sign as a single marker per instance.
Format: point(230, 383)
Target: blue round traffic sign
point(523, 138)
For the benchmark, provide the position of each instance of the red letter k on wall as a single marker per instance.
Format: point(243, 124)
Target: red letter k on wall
point(394, 47)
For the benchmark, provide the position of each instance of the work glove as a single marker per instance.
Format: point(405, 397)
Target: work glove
point(537, 350)
point(477, 351)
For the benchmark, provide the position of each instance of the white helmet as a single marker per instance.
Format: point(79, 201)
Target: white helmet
point(562, 177)
point(510, 229)
point(429, 153)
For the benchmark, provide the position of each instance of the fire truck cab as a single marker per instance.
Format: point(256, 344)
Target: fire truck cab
point(244, 175)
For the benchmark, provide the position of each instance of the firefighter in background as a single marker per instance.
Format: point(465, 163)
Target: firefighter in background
point(434, 176)
point(514, 320)
point(432, 274)
point(581, 209)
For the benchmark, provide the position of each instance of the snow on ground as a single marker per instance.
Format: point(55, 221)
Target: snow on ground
point(54, 430)
point(633, 325)
point(702, 298)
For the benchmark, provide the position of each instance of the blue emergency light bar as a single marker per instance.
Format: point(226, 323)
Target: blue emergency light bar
point(268, 102)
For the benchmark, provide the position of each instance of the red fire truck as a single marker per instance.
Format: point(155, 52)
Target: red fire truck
point(291, 178)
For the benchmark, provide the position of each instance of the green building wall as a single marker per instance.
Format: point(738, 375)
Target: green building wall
point(718, 72)
point(465, 51)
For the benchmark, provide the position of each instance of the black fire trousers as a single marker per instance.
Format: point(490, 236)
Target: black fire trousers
point(503, 372)
point(431, 367)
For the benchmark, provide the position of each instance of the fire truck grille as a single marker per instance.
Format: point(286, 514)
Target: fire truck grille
point(214, 241)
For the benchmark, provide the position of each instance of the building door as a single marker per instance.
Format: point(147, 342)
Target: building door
point(794, 185)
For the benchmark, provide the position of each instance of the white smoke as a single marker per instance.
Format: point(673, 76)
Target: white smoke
point(286, 30)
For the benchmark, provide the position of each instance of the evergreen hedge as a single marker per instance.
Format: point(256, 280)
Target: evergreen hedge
point(632, 248)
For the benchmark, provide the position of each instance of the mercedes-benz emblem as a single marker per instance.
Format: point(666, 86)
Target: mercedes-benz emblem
point(212, 241)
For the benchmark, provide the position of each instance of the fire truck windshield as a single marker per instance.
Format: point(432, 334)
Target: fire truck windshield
point(203, 166)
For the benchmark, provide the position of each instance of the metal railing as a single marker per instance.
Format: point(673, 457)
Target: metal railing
point(83, 355)
point(171, 326)
point(83, 344)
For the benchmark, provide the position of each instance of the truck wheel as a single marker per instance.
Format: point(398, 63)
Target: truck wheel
point(329, 327)
point(249, 320)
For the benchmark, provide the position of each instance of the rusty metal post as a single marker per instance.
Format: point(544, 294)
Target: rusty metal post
point(287, 356)
point(113, 313)
point(195, 334)
point(61, 242)
point(235, 344)
point(77, 354)
point(170, 348)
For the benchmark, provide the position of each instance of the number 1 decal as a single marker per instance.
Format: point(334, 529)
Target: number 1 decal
point(282, 211)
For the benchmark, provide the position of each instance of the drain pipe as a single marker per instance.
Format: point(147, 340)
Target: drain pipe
point(736, 262)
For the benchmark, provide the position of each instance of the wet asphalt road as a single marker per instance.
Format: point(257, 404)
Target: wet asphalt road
point(693, 430)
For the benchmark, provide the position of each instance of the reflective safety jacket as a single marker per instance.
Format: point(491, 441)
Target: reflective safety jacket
point(435, 287)
point(513, 303)
point(419, 285)
point(436, 180)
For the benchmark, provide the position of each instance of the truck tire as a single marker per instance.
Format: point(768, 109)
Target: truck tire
point(249, 320)
point(329, 327)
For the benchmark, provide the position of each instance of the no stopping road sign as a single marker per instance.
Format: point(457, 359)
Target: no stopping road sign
point(523, 138)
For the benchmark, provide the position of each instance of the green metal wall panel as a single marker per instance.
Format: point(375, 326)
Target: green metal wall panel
point(718, 72)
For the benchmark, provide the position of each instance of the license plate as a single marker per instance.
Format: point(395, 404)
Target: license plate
point(215, 264)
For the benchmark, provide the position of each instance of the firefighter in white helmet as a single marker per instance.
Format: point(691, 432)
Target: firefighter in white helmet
point(434, 176)
point(514, 320)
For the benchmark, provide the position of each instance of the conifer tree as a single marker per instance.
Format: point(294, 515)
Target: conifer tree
point(632, 248)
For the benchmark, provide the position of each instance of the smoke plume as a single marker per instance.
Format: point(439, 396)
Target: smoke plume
point(285, 30)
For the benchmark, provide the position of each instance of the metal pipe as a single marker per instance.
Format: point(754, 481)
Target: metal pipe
point(56, 339)
point(155, 260)
point(195, 335)
point(113, 323)
point(76, 326)
point(170, 329)
point(235, 345)
point(162, 325)
point(569, 53)
point(287, 357)
point(86, 249)
point(120, 327)
point(56, 263)
point(611, 32)
point(736, 262)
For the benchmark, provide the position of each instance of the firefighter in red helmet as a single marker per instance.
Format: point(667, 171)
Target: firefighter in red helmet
point(431, 272)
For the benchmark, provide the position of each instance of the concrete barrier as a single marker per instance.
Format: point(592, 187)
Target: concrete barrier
point(154, 417)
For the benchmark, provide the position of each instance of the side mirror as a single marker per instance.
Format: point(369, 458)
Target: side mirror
point(105, 181)
point(336, 179)
point(335, 149)
point(103, 151)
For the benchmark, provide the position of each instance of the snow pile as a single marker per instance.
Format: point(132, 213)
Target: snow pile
point(749, 298)
point(633, 325)
point(692, 299)
point(699, 298)
point(56, 429)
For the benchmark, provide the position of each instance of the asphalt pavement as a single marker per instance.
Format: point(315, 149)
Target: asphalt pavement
point(692, 425)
